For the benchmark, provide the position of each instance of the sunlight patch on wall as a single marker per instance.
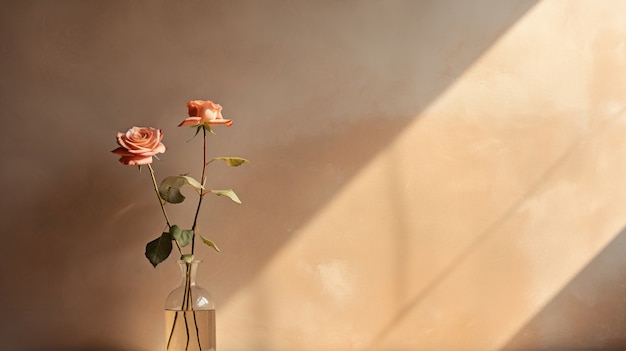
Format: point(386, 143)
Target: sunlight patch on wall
point(479, 213)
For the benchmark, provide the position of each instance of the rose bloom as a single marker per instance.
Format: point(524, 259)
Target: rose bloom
point(206, 113)
point(138, 145)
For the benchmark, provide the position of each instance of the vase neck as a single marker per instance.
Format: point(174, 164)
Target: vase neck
point(188, 271)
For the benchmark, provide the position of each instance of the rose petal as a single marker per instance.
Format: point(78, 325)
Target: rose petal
point(226, 122)
point(190, 121)
point(135, 161)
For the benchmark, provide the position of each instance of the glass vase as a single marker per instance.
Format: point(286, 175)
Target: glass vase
point(189, 314)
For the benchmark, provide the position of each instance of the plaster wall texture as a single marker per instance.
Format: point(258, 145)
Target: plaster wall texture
point(425, 175)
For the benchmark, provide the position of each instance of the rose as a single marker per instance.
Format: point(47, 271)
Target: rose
point(138, 145)
point(136, 148)
point(205, 113)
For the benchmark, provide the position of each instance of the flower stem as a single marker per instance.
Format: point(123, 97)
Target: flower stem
point(186, 306)
point(156, 189)
point(169, 340)
point(202, 193)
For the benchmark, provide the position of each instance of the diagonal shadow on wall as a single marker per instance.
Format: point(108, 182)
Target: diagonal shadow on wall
point(317, 70)
point(588, 313)
point(420, 56)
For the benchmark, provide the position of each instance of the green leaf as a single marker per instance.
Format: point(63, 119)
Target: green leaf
point(159, 249)
point(232, 161)
point(209, 242)
point(169, 190)
point(187, 258)
point(182, 236)
point(228, 192)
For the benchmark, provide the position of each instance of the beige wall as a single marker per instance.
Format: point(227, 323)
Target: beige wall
point(426, 175)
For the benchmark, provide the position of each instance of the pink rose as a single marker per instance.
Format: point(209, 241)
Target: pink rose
point(206, 113)
point(138, 145)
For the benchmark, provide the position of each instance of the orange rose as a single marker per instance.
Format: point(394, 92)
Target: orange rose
point(205, 113)
point(138, 145)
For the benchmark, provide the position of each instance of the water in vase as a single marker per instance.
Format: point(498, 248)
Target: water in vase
point(190, 330)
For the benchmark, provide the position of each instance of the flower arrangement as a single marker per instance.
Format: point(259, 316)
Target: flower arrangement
point(139, 145)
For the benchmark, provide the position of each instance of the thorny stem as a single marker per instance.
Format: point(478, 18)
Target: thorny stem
point(169, 340)
point(202, 181)
point(186, 305)
point(187, 298)
point(195, 322)
point(186, 330)
point(156, 189)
